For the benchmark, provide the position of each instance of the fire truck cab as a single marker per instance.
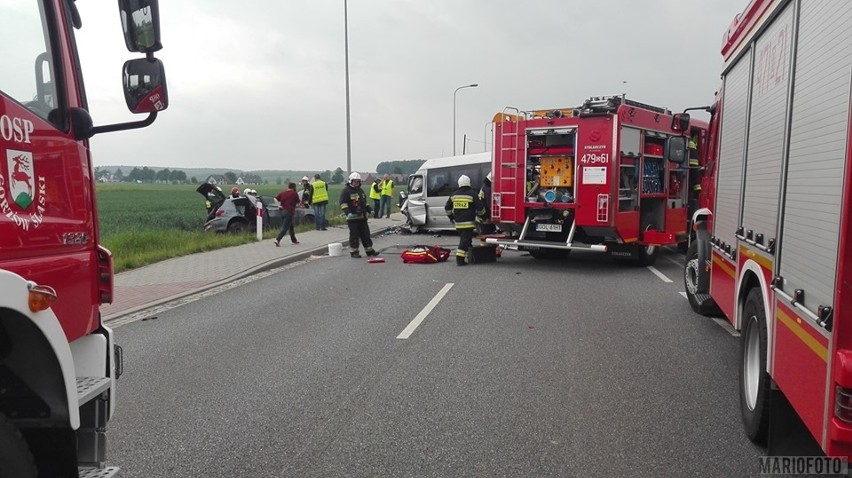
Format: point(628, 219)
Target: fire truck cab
point(611, 175)
point(58, 361)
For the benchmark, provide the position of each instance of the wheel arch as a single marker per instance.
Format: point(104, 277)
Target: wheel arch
point(751, 277)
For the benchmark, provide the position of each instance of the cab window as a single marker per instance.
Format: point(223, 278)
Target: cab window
point(26, 72)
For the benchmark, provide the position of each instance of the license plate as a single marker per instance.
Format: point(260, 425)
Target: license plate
point(548, 227)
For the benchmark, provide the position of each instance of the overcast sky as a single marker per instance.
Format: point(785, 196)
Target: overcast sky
point(260, 84)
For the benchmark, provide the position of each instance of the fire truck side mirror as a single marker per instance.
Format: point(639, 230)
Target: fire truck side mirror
point(140, 20)
point(677, 149)
point(145, 85)
point(680, 121)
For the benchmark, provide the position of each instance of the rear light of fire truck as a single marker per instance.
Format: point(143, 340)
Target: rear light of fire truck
point(105, 276)
point(843, 404)
point(40, 297)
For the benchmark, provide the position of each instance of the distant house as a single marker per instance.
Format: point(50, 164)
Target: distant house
point(249, 179)
point(366, 178)
point(216, 179)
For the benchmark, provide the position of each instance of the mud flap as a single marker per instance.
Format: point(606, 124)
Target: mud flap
point(624, 251)
point(788, 435)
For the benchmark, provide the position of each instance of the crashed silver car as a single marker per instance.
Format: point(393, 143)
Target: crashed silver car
point(239, 215)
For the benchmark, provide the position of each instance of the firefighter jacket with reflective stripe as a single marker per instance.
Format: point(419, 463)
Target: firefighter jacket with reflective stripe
point(353, 203)
point(387, 188)
point(463, 206)
point(375, 191)
point(320, 192)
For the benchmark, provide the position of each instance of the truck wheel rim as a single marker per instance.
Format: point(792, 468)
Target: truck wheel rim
point(691, 272)
point(751, 364)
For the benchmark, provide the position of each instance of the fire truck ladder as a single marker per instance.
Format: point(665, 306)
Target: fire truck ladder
point(510, 180)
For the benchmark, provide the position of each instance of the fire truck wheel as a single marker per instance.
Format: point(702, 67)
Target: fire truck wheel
point(14, 453)
point(696, 281)
point(754, 380)
point(647, 255)
point(237, 227)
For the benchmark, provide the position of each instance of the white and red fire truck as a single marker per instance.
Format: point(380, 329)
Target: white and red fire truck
point(610, 175)
point(774, 252)
point(58, 362)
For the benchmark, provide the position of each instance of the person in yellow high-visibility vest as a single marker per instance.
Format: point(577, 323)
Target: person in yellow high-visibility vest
point(320, 202)
point(387, 196)
point(376, 196)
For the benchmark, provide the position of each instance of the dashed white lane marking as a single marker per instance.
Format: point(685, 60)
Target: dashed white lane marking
point(726, 326)
point(412, 326)
point(680, 264)
point(659, 274)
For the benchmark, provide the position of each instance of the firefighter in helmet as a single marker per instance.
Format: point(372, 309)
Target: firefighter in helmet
point(463, 207)
point(353, 203)
point(235, 192)
point(485, 224)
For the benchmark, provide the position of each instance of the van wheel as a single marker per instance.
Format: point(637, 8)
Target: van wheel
point(754, 380)
point(237, 227)
point(14, 453)
point(308, 219)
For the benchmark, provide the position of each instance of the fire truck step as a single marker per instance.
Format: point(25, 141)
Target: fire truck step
point(90, 387)
point(85, 472)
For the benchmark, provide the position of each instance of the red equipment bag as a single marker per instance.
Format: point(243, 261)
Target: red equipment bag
point(425, 254)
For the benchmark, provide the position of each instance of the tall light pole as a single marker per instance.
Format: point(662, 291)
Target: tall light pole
point(346, 46)
point(454, 112)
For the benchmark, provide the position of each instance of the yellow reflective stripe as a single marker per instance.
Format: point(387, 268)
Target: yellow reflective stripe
point(795, 326)
point(764, 262)
point(723, 265)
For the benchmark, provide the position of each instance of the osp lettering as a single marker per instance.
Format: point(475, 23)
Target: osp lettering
point(15, 129)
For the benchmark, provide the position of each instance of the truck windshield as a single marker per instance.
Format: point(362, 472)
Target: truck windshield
point(26, 72)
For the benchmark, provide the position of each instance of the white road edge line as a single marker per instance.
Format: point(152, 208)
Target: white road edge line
point(412, 326)
point(659, 274)
point(726, 326)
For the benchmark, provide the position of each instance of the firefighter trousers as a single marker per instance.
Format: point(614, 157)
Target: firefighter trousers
point(359, 232)
point(465, 241)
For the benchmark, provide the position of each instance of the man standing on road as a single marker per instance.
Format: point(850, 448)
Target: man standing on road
point(387, 196)
point(287, 200)
point(485, 225)
point(353, 203)
point(376, 197)
point(463, 207)
point(320, 200)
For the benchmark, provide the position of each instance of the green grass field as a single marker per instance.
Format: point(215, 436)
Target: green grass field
point(146, 223)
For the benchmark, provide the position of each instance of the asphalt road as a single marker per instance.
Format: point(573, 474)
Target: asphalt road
point(581, 367)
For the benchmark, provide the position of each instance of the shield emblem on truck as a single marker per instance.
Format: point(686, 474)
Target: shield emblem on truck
point(21, 182)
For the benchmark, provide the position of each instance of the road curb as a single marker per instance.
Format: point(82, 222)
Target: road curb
point(271, 264)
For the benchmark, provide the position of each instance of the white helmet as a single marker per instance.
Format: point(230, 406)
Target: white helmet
point(464, 181)
point(354, 177)
point(253, 192)
point(305, 178)
point(246, 191)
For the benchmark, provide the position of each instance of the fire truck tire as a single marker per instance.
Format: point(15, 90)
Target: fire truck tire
point(754, 380)
point(648, 255)
point(237, 227)
point(15, 456)
point(697, 282)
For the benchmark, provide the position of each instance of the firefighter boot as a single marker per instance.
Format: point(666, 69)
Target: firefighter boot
point(371, 252)
point(354, 254)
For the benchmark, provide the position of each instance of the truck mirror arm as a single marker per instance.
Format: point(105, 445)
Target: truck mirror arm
point(82, 128)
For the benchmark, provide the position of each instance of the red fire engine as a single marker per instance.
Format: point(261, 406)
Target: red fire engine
point(611, 176)
point(58, 362)
point(774, 250)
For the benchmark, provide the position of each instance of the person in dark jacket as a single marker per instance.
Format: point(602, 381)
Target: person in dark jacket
point(463, 207)
point(485, 224)
point(353, 203)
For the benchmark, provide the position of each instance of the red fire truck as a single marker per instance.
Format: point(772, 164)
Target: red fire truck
point(774, 250)
point(610, 175)
point(58, 362)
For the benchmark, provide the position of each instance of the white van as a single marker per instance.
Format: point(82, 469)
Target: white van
point(431, 186)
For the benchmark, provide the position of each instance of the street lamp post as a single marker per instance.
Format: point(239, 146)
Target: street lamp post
point(474, 85)
point(346, 47)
